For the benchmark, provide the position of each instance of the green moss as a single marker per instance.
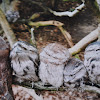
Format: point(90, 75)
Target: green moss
point(77, 56)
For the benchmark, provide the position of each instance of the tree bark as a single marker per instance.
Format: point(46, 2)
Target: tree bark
point(5, 72)
point(7, 29)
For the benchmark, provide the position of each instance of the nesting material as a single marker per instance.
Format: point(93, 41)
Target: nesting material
point(74, 72)
point(22, 93)
point(92, 62)
point(52, 61)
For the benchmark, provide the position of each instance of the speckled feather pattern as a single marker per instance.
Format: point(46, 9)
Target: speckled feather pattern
point(74, 71)
point(24, 61)
point(92, 62)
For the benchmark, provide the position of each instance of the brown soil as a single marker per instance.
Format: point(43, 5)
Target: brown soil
point(78, 26)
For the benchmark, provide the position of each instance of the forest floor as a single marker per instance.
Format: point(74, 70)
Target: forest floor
point(78, 26)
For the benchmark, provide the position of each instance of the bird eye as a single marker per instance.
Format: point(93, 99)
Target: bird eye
point(22, 47)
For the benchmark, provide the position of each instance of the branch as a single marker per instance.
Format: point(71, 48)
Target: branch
point(67, 36)
point(45, 23)
point(84, 42)
point(33, 37)
point(48, 88)
point(37, 85)
point(34, 16)
point(92, 89)
point(55, 23)
point(68, 13)
point(7, 29)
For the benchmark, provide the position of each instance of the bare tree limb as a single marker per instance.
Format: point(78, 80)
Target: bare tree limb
point(84, 42)
point(38, 86)
point(45, 23)
point(7, 29)
point(68, 13)
point(33, 37)
point(92, 89)
point(67, 36)
point(55, 23)
point(34, 16)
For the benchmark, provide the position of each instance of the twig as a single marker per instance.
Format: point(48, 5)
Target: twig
point(92, 89)
point(34, 16)
point(38, 86)
point(33, 37)
point(45, 23)
point(67, 36)
point(7, 29)
point(66, 13)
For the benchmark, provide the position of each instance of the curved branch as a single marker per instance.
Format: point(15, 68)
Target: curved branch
point(55, 23)
point(92, 89)
point(68, 13)
point(84, 42)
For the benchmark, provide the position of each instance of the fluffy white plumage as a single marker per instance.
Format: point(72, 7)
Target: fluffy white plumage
point(52, 61)
point(92, 62)
point(24, 61)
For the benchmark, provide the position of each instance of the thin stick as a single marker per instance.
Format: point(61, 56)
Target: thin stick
point(67, 36)
point(92, 89)
point(33, 37)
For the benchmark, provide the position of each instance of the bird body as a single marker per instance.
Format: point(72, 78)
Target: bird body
point(92, 62)
point(52, 61)
point(24, 61)
point(74, 72)
point(52, 74)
